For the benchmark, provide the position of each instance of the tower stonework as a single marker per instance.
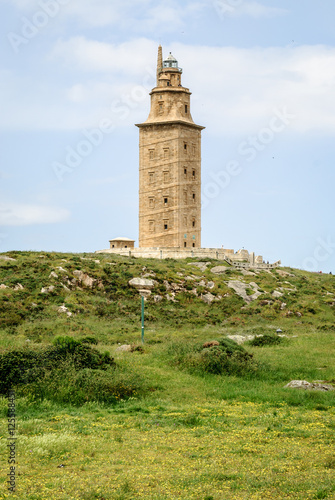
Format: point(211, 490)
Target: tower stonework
point(170, 165)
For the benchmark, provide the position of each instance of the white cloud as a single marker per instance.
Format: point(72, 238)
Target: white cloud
point(235, 91)
point(12, 214)
point(238, 8)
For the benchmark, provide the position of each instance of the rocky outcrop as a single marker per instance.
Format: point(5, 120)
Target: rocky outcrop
point(142, 283)
point(48, 289)
point(219, 269)
point(208, 298)
point(240, 288)
point(84, 279)
point(303, 384)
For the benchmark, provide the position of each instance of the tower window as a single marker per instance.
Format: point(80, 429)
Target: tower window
point(166, 176)
point(185, 221)
point(185, 244)
point(193, 223)
point(185, 172)
point(151, 202)
point(186, 108)
point(193, 245)
point(185, 147)
point(193, 197)
point(185, 197)
point(151, 154)
point(166, 153)
point(151, 177)
point(151, 226)
point(166, 225)
point(168, 84)
point(193, 174)
point(166, 201)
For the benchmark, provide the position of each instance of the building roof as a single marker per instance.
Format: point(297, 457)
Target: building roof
point(170, 58)
point(121, 239)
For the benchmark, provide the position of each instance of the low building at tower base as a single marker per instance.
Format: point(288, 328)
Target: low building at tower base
point(240, 259)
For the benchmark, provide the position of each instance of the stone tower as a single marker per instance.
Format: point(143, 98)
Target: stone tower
point(170, 165)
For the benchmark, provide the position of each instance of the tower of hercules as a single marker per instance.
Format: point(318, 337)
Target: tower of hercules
point(170, 165)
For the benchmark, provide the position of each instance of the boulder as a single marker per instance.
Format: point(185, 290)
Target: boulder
point(124, 348)
point(53, 275)
point(48, 289)
point(303, 384)
point(211, 285)
point(208, 298)
point(277, 294)
point(201, 265)
point(18, 287)
point(158, 298)
point(219, 269)
point(142, 283)
point(84, 279)
point(240, 288)
point(64, 310)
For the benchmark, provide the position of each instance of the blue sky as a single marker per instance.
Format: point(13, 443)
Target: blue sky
point(75, 78)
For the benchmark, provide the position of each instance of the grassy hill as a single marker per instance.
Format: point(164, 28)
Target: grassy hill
point(170, 419)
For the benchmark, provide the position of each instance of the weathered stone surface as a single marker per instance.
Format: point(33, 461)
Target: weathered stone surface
point(18, 287)
point(212, 343)
point(283, 305)
point(202, 283)
point(8, 259)
point(3, 287)
point(211, 285)
point(277, 294)
point(64, 310)
point(48, 289)
point(53, 275)
point(239, 339)
point(124, 348)
point(240, 288)
point(208, 298)
point(303, 384)
point(158, 298)
point(84, 279)
point(284, 274)
point(142, 283)
point(219, 269)
point(145, 293)
point(201, 265)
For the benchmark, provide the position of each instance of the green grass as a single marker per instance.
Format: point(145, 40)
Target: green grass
point(183, 433)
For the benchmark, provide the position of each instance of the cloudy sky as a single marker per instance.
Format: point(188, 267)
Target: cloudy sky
point(75, 78)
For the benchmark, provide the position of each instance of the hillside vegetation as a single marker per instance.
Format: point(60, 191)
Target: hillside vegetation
point(199, 411)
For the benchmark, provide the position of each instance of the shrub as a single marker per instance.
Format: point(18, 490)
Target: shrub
point(226, 358)
point(89, 340)
point(22, 366)
point(266, 339)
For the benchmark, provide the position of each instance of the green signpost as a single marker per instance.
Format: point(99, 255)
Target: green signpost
point(142, 320)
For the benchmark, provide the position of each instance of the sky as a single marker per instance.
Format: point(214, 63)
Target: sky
point(76, 76)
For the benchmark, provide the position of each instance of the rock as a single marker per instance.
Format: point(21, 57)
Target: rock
point(3, 287)
point(124, 348)
point(84, 279)
point(284, 274)
point(240, 288)
point(219, 269)
point(48, 289)
point(171, 297)
point(18, 287)
point(247, 273)
point(64, 310)
point(303, 384)
point(66, 288)
point(158, 298)
point(53, 275)
point(189, 278)
point(151, 274)
point(61, 270)
point(142, 283)
point(239, 339)
point(208, 298)
point(7, 259)
point(283, 305)
point(202, 283)
point(201, 265)
point(277, 294)
point(279, 330)
point(298, 314)
point(194, 291)
point(212, 343)
point(211, 285)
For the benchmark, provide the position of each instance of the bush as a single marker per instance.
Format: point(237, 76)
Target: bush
point(266, 339)
point(226, 358)
point(22, 366)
